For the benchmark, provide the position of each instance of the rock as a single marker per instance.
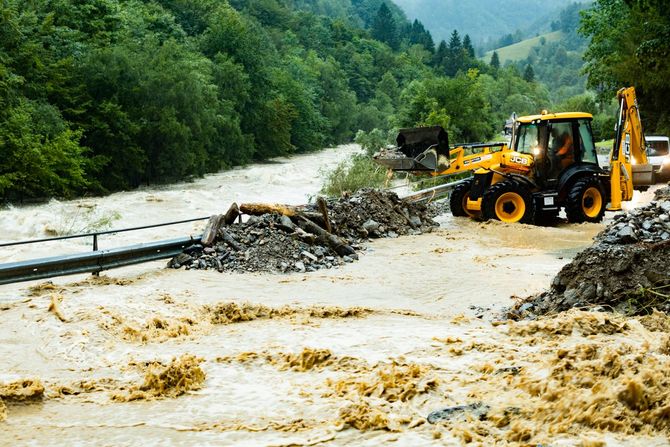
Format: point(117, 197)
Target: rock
point(193, 249)
point(526, 307)
point(416, 221)
point(181, 259)
point(478, 410)
point(371, 226)
point(300, 267)
point(627, 235)
point(272, 242)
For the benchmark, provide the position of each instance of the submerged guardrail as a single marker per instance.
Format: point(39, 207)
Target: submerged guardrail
point(97, 260)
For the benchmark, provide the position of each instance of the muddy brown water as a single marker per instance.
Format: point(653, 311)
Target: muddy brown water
point(365, 377)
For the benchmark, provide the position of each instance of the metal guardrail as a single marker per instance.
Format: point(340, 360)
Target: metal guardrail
point(433, 193)
point(92, 262)
point(96, 260)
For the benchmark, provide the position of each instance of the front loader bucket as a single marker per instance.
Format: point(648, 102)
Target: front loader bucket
point(419, 149)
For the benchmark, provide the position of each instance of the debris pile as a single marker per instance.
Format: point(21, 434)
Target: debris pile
point(627, 269)
point(281, 238)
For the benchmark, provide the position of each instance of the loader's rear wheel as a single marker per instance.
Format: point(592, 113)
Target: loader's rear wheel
point(458, 200)
point(509, 202)
point(586, 201)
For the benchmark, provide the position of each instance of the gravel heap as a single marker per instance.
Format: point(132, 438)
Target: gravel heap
point(650, 224)
point(627, 269)
point(277, 243)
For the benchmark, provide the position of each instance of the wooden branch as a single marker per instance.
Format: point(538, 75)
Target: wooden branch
point(211, 229)
point(339, 245)
point(324, 212)
point(231, 214)
point(230, 240)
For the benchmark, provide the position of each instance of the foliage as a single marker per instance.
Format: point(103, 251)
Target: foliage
point(105, 95)
point(629, 45)
point(372, 141)
point(351, 175)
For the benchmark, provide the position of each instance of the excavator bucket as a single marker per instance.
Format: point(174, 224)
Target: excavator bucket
point(418, 149)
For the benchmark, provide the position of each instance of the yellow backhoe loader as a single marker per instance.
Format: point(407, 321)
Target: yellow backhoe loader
point(550, 164)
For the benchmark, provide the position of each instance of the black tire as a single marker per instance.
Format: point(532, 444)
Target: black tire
point(586, 201)
point(508, 201)
point(458, 197)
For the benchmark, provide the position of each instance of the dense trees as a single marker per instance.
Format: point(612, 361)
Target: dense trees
point(630, 44)
point(110, 94)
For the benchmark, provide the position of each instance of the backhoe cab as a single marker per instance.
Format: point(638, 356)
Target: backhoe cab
point(550, 164)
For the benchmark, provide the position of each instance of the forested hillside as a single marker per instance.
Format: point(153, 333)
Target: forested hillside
point(105, 95)
point(109, 94)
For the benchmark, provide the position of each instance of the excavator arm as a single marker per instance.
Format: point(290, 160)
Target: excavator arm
point(426, 150)
point(628, 160)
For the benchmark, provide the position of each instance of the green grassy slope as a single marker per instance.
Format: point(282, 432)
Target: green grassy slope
point(521, 49)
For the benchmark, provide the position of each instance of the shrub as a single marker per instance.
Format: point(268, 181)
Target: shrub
point(352, 175)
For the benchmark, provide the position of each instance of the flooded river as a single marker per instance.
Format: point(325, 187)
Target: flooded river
point(358, 355)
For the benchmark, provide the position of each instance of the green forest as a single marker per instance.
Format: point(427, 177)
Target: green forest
point(105, 95)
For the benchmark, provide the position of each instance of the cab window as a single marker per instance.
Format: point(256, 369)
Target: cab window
point(588, 149)
point(528, 138)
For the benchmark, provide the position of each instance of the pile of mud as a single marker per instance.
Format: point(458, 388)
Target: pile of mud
point(306, 241)
point(627, 269)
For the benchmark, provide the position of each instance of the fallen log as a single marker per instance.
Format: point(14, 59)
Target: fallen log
point(258, 209)
point(211, 229)
point(230, 240)
point(336, 243)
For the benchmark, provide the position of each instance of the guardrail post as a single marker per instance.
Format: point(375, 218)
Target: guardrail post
point(95, 248)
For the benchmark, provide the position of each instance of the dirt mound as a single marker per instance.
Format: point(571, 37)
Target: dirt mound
point(626, 269)
point(377, 213)
point(178, 377)
point(299, 239)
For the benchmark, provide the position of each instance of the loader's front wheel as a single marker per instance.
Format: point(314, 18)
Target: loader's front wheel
point(586, 201)
point(458, 200)
point(509, 202)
